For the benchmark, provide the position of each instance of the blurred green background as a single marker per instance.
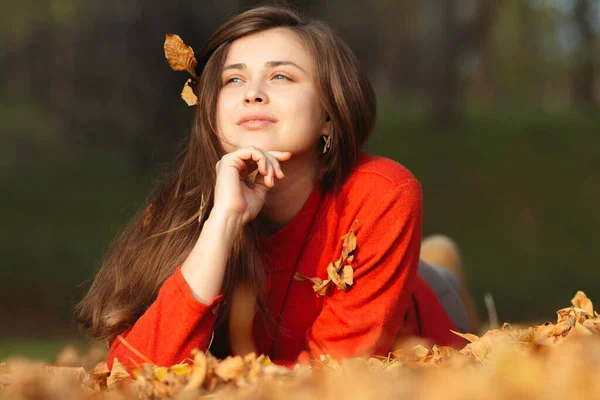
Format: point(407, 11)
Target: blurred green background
point(491, 103)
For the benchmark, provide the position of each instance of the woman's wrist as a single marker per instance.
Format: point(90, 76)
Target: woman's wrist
point(204, 267)
point(233, 222)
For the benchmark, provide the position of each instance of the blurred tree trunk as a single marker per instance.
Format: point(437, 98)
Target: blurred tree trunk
point(584, 70)
point(444, 63)
point(453, 39)
point(484, 85)
point(531, 42)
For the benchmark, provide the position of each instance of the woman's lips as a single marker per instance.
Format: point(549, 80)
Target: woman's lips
point(256, 123)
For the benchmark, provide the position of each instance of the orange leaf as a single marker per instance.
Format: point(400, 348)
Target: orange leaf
point(117, 374)
point(188, 95)
point(335, 277)
point(321, 290)
point(467, 336)
point(148, 214)
point(582, 301)
point(348, 275)
point(199, 370)
point(179, 55)
point(230, 368)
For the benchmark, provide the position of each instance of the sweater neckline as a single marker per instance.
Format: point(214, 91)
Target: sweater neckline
point(298, 225)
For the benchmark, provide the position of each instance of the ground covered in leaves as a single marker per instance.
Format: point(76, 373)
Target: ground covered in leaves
point(550, 361)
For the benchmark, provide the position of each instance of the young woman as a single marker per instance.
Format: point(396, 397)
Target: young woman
point(271, 180)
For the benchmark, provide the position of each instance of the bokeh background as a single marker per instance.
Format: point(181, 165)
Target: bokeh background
point(493, 104)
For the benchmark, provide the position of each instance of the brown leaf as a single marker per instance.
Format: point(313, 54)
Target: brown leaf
point(198, 371)
point(443, 353)
point(467, 336)
point(231, 368)
point(180, 56)
point(580, 300)
point(148, 214)
point(101, 369)
point(117, 374)
point(350, 242)
point(348, 275)
point(188, 95)
point(99, 375)
point(420, 351)
point(337, 265)
point(335, 277)
point(315, 281)
point(582, 330)
point(299, 277)
point(550, 331)
point(321, 290)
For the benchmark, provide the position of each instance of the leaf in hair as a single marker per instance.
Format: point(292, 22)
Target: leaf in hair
point(188, 95)
point(179, 55)
point(148, 214)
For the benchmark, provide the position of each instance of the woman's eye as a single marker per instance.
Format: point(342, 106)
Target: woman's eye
point(281, 77)
point(233, 80)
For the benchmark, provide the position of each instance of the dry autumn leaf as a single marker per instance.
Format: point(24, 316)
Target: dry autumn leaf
point(420, 351)
point(199, 371)
point(348, 275)
point(118, 373)
point(335, 277)
point(582, 330)
point(230, 368)
point(300, 277)
point(179, 55)
point(323, 288)
point(549, 362)
point(339, 272)
point(467, 336)
point(188, 95)
point(349, 244)
point(580, 300)
point(98, 376)
point(148, 215)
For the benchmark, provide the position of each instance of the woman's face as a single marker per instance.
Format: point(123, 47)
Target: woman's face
point(268, 97)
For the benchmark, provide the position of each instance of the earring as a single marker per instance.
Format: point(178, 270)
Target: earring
point(327, 140)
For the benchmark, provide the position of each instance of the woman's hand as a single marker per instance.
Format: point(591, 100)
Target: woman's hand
point(236, 193)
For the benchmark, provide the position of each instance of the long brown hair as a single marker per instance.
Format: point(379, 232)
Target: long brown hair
point(162, 234)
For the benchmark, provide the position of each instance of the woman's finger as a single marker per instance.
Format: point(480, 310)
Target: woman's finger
point(269, 179)
point(276, 166)
point(281, 155)
point(267, 163)
point(261, 180)
point(248, 158)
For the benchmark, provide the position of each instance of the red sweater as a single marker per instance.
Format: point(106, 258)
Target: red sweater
point(387, 298)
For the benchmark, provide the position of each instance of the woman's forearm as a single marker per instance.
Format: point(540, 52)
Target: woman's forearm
point(204, 268)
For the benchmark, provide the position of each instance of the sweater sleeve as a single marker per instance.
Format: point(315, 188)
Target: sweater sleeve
point(365, 319)
point(171, 327)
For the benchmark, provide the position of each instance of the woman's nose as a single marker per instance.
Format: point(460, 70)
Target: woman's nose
point(256, 94)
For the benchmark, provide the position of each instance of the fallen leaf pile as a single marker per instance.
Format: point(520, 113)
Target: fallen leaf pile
point(550, 361)
point(339, 272)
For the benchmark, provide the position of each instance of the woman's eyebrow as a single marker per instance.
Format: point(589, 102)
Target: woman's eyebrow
point(279, 63)
point(271, 64)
